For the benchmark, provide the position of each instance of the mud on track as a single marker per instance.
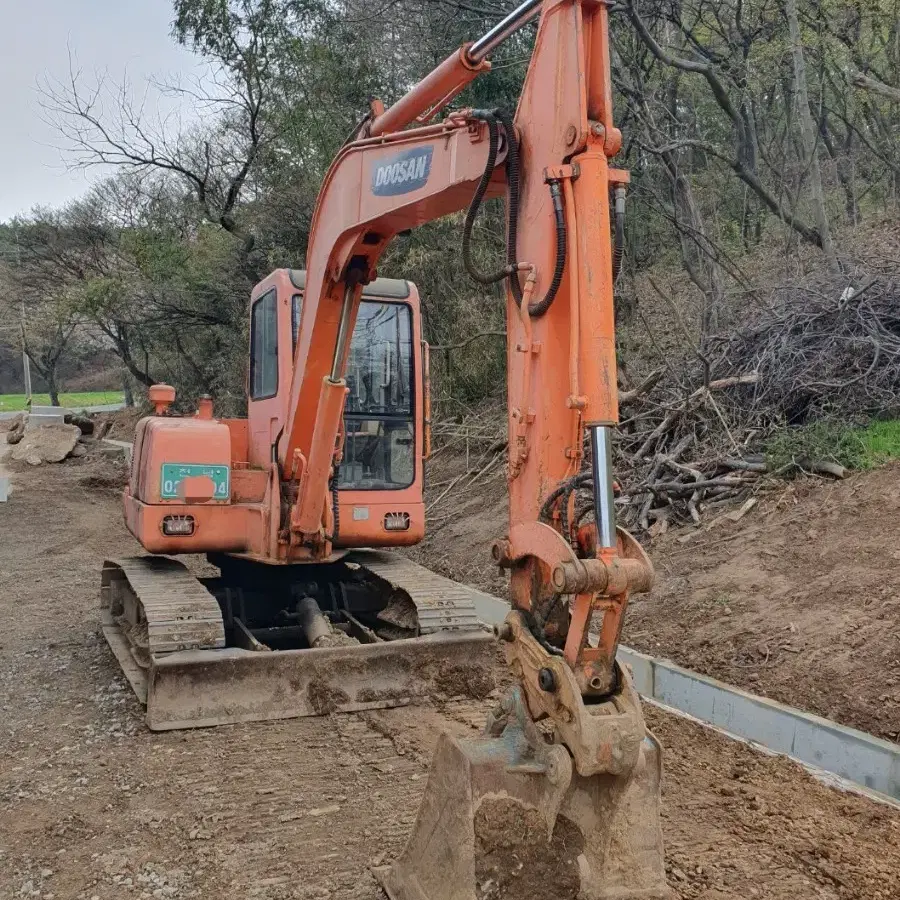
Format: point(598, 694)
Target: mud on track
point(93, 805)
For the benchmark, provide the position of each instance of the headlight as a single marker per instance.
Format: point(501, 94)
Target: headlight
point(396, 521)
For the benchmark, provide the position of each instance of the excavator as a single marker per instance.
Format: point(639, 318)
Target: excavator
point(278, 501)
point(300, 611)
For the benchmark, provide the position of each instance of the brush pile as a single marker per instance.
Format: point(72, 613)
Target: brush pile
point(691, 434)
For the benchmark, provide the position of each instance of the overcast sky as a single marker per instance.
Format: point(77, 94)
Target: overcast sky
point(122, 36)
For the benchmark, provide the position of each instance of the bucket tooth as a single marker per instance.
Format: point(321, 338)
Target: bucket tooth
point(505, 816)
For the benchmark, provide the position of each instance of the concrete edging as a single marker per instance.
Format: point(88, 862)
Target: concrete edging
point(818, 744)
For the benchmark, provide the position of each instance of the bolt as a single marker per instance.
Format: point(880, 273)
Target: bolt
point(547, 681)
point(571, 134)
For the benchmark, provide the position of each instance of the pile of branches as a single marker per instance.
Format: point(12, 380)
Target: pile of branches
point(680, 453)
point(689, 446)
point(826, 347)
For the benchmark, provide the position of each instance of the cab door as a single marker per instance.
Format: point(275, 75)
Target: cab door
point(269, 380)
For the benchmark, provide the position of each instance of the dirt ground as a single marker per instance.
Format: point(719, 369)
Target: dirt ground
point(799, 601)
point(95, 807)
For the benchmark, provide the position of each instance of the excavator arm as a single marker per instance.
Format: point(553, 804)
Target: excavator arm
point(553, 166)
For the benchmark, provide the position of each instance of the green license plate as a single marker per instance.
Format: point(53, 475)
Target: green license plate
point(174, 473)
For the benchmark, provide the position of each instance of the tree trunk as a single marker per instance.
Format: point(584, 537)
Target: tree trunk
point(808, 135)
point(126, 386)
point(52, 385)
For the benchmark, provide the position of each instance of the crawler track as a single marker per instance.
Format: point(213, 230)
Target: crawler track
point(168, 634)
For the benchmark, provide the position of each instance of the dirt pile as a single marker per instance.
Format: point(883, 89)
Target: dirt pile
point(800, 601)
point(515, 861)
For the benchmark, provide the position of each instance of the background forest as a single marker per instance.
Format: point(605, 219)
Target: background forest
point(759, 288)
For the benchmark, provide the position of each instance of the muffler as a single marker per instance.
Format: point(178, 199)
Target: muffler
point(506, 816)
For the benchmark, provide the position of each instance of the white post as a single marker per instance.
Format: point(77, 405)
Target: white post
point(26, 362)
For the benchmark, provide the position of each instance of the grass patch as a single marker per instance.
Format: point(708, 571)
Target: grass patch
point(16, 402)
point(853, 448)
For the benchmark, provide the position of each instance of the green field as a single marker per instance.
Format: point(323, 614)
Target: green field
point(13, 402)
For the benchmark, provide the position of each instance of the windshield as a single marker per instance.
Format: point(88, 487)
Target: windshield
point(379, 439)
point(378, 367)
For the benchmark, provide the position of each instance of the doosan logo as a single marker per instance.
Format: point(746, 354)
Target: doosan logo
point(402, 173)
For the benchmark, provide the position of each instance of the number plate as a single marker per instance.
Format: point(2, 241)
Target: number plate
point(174, 473)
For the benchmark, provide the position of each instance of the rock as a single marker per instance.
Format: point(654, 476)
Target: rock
point(78, 450)
point(46, 443)
point(83, 422)
point(16, 429)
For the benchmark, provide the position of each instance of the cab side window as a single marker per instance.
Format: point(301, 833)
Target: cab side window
point(264, 347)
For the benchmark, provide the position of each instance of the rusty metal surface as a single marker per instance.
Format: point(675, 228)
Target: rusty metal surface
point(194, 689)
point(441, 604)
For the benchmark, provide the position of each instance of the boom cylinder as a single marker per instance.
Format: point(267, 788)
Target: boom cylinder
point(463, 66)
point(503, 30)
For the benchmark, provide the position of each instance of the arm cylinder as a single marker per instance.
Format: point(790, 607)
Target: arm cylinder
point(503, 30)
point(454, 73)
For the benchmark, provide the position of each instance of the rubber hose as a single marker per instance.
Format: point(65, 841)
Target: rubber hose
point(335, 508)
point(475, 205)
point(619, 246)
point(537, 308)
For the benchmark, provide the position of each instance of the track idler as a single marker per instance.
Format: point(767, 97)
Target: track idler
point(508, 816)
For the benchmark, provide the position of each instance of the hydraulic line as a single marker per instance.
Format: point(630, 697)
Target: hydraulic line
point(619, 246)
point(494, 118)
point(335, 508)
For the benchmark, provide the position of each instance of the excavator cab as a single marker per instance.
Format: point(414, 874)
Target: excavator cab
point(380, 479)
point(284, 629)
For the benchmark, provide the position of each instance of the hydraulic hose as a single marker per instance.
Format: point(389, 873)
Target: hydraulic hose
point(335, 508)
point(475, 205)
point(619, 246)
point(494, 118)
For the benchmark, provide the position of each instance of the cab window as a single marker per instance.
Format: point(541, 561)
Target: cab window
point(264, 347)
point(379, 434)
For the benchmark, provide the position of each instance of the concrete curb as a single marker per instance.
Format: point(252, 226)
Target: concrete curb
point(863, 761)
point(811, 740)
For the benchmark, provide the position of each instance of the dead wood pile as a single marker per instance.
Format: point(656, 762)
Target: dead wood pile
point(691, 435)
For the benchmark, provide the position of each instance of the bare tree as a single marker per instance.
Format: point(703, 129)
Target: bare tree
point(108, 124)
point(808, 136)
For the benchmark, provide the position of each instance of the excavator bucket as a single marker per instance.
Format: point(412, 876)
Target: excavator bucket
point(506, 817)
point(203, 652)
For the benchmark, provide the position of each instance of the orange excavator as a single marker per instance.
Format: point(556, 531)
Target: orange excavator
point(281, 500)
point(307, 614)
